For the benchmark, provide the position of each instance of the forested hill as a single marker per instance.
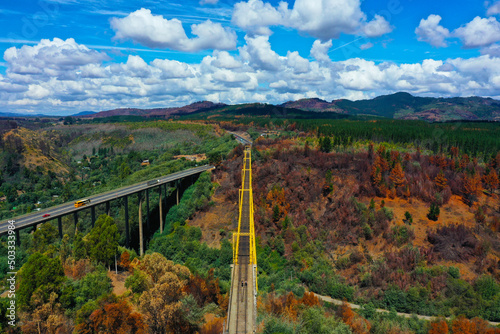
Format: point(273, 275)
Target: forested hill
point(406, 106)
point(398, 106)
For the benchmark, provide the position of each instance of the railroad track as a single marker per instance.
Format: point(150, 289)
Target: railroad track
point(242, 305)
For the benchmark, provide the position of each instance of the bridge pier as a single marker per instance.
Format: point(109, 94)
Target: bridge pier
point(75, 219)
point(161, 210)
point(92, 213)
point(148, 228)
point(177, 185)
point(59, 225)
point(18, 237)
point(127, 233)
point(141, 239)
point(108, 208)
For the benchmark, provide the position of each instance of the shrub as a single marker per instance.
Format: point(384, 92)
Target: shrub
point(486, 287)
point(454, 242)
point(401, 235)
point(433, 212)
point(138, 282)
point(454, 272)
point(340, 291)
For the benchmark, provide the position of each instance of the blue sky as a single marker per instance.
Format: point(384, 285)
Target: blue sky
point(65, 56)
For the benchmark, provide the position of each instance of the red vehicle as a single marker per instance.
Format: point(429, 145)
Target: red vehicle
point(46, 215)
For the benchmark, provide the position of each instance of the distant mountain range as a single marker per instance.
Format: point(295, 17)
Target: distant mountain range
point(397, 106)
point(162, 112)
point(84, 113)
point(12, 114)
point(406, 106)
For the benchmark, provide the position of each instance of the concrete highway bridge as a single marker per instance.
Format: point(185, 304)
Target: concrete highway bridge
point(139, 189)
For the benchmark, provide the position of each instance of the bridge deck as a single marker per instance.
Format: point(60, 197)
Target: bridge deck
point(68, 208)
point(242, 308)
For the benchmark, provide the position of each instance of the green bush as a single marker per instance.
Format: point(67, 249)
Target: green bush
point(92, 286)
point(340, 291)
point(486, 287)
point(454, 272)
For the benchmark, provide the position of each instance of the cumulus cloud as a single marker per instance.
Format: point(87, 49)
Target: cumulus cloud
point(494, 9)
point(258, 53)
point(492, 50)
point(479, 32)
point(321, 19)
point(253, 73)
point(155, 31)
point(52, 57)
point(430, 31)
point(377, 27)
point(256, 16)
point(319, 50)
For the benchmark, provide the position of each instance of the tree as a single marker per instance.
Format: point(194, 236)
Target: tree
point(46, 317)
point(103, 240)
point(397, 175)
point(433, 212)
point(156, 266)
point(43, 237)
point(440, 181)
point(138, 281)
point(462, 325)
point(491, 180)
point(438, 327)
point(116, 317)
point(68, 120)
point(79, 247)
point(40, 273)
point(325, 144)
point(471, 186)
point(124, 170)
point(357, 323)
point(65, 250)
point(92, 286)
point(408, 218)
point(125, 260)
point(161, 304)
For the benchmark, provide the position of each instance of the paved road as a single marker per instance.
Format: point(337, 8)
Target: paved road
point(68, 208)
point(405, 315)
point(241, 139)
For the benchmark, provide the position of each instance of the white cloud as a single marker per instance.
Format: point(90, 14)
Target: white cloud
point(256, 16)
point(319, 50)
point(492, 50)
point(430, 31)
point(254, 73)
point(327, 19)
point(324, 20)
point(154, 31)
point(210, 2)
point(494, 9)
point(377, 27)
point(258, 53)
point(479, 32)
point(173, 69)
point(222, 59)
point(295, 62)
point(37, 92)
point(51, 57)
point(366, 46)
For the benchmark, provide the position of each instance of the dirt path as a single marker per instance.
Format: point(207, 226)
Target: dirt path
point(405, 315)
